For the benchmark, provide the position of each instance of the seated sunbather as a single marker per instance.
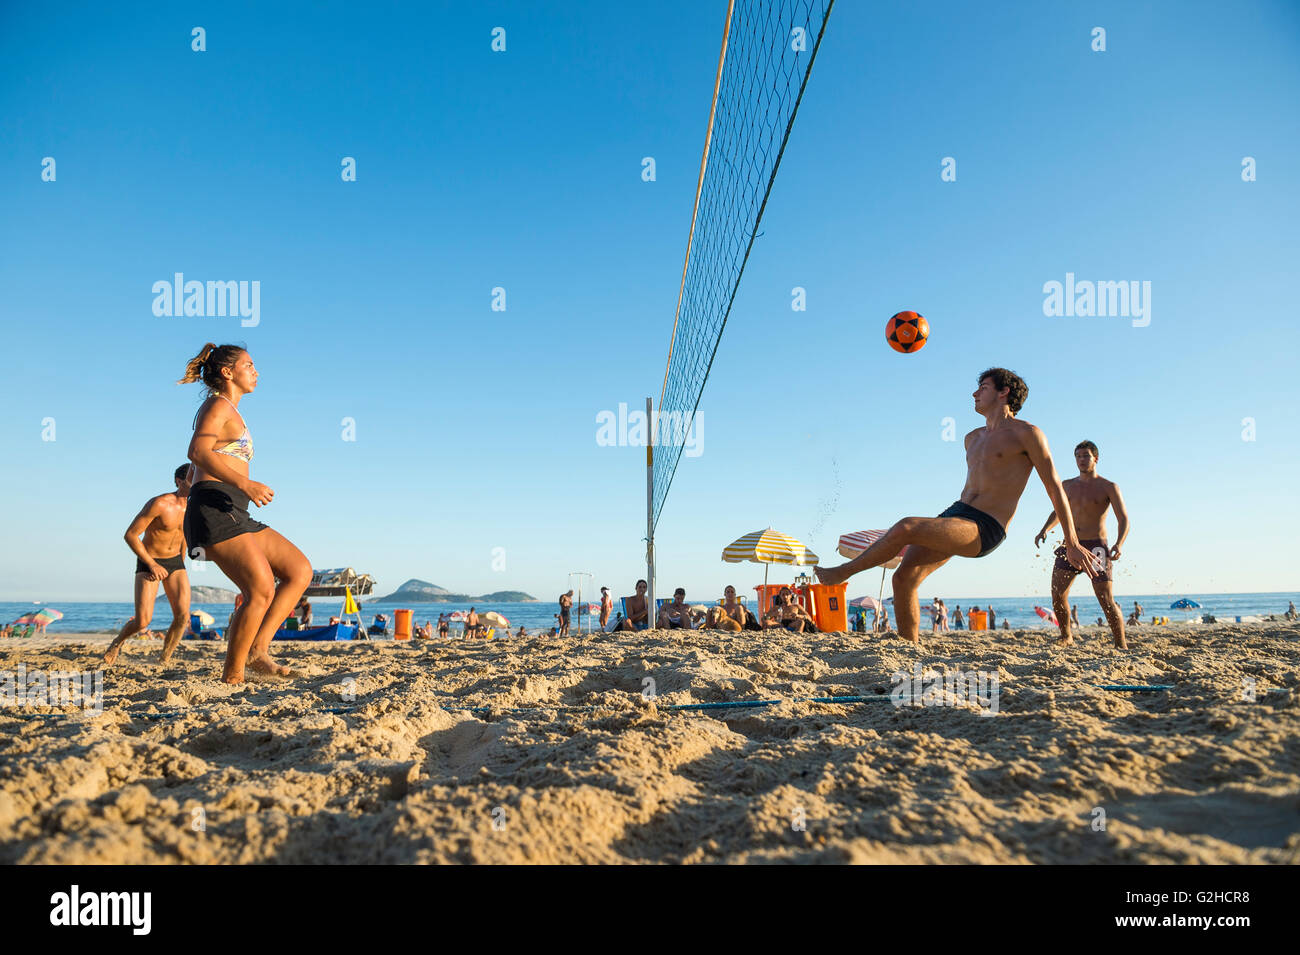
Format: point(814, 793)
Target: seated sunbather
point(637, 618)
point(677, 615)
point(787, 614)
point(730, 615)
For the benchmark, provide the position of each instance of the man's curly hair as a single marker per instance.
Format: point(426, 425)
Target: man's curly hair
point(1002, 378)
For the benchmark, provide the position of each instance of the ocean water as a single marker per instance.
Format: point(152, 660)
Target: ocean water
point(1018, 611)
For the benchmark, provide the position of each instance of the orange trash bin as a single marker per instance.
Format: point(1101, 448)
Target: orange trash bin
point(978, 620)
point(830, 606)
point(403, 624)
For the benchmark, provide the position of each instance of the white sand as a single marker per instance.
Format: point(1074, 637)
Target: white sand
point(573, 765)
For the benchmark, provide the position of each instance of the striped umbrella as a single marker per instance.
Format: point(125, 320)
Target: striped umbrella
point(866, 603)
point(851, 545)
point(768, 547)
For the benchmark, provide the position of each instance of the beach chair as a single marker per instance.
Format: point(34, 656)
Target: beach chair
point(379, 628)
point(622, 614)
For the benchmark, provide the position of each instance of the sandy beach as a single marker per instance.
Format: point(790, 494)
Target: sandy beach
point(545, 751)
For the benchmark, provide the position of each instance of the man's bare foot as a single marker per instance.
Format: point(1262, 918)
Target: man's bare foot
point(168, 649)
point(831, 575)
point(264, 664)
point(1065, 641)
point(1121, 644)
point(110, 657)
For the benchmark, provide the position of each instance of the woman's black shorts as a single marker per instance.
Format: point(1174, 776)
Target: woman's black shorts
point(216, 512)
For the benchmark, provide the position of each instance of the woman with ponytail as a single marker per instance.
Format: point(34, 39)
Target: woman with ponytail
point(217, 525)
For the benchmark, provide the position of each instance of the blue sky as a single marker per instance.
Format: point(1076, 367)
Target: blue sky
point(476, 429)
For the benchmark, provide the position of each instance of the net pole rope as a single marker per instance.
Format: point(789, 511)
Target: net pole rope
point(699, 188)
point(771, 179)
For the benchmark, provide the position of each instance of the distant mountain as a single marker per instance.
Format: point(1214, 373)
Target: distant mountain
point(422, 592)
point(200, 594)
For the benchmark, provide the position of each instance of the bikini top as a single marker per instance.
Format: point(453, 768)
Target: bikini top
point(241, 447)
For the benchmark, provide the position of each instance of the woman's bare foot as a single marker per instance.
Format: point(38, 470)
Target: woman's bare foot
point(110, 657)
point(264, 664)
point(831, 575)
point(1121, 644)
point(1066, 641)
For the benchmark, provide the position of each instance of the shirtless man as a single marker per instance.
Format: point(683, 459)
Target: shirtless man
point(1090, 497)
point(999, 459)
point(787, 614)
point(566, 604)
point(677, 615)
point(160, 556)
point(636, 618)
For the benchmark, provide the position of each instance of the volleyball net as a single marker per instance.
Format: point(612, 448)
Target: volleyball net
point(767, 55)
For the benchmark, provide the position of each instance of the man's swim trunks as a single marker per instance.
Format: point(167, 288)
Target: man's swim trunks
point(169, 564)
point(1100, 552)
point(991, 532)
point(216, 512)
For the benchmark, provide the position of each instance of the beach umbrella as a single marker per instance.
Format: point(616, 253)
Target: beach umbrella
point(25, 619)
point(493, 618)
point(866, 603)
point(853, 544)
point(1047, 615)
point(768, 547)
point(458, 616)
point(1184, 604)
point(205, 619)
point(48, 615)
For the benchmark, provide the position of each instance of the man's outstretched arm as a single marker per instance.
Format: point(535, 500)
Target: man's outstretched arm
point(1047, 526)
point(1121, 515)
point(1041, 456)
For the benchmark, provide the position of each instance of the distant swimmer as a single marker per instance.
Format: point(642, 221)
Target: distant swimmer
point(159, 556)
point(999, 459)
point(270, 572)
point(1090, 496)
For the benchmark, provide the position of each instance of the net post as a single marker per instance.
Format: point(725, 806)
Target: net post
point(649, 517)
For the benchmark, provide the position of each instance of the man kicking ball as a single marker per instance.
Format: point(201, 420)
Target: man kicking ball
point(1090, 497)
point(160, 556)
point(999, 458)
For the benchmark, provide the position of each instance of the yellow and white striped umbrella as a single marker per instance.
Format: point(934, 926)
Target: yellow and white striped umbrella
point(768, 547)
